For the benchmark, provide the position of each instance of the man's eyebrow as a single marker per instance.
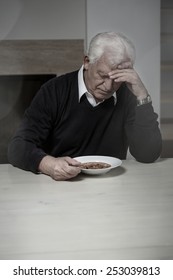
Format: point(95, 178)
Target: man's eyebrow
point(103, 73)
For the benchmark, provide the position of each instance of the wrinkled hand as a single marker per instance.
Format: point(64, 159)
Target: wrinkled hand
point(125, 73)
point(62, 168)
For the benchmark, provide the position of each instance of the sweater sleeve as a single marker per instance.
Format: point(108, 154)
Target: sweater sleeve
point(26, 147)
point(143, 133)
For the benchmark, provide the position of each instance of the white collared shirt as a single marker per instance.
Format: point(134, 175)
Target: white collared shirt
point(83, 90)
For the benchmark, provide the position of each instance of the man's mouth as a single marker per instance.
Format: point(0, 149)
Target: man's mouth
point(105, 92)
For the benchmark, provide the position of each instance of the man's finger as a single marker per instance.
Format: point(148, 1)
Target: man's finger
point(125, 65)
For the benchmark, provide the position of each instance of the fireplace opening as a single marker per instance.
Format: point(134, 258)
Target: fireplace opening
point(16, 94)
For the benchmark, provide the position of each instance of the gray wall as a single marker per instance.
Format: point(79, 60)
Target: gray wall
point(81, 19)
point(42, 19)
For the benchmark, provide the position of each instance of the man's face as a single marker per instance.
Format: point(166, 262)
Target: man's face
point(97, 80)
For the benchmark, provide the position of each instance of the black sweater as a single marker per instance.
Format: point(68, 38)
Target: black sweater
point(58, 124)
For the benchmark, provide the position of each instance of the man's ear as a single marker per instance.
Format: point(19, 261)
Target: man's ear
point(86, 62)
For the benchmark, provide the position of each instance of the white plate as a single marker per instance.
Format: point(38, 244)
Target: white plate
point(114, 162)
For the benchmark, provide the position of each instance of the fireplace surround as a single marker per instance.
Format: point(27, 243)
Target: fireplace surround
point(24, 66)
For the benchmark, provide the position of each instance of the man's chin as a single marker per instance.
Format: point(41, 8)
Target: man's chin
point(103, 96)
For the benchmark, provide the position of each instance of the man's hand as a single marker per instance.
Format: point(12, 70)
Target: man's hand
point(125, 73)
point(61, 168)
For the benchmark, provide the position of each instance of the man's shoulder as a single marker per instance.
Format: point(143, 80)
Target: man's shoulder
point(69, 75)
point(60, 88)
point(63, 79)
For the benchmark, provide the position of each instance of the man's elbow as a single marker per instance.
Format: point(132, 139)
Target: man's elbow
point(149, 155)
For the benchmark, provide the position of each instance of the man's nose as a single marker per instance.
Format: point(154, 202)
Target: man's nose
point(108, 83)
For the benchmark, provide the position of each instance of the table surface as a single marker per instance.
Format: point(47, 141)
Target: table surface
point(124, 214)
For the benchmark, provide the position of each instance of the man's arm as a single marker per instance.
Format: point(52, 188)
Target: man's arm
point(143, 133)
point(142, 130)
point(26, 146)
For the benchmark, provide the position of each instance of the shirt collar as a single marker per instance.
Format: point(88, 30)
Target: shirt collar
point(83, 90)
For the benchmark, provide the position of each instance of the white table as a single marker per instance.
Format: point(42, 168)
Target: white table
point(125, 214)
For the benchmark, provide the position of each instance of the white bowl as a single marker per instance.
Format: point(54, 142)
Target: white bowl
point(114, 162)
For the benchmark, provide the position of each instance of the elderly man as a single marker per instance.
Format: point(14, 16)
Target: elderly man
point(101, 109)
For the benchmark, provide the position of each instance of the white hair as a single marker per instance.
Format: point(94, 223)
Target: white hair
point(116, 46)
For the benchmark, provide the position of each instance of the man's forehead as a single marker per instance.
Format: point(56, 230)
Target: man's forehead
point(105, 64)
point(104, 70)
point(105, 67)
